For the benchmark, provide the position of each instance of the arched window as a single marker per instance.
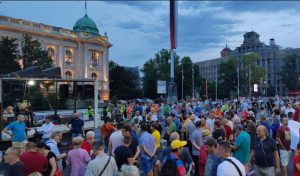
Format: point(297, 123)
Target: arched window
point(51, 53)
point(68, 57)
point(94, 59)
point(94, 76)
point(68, 75)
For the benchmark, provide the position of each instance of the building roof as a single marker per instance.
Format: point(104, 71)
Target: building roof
point(86, 24)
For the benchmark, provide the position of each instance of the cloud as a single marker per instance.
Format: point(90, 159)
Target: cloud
point(139, 29)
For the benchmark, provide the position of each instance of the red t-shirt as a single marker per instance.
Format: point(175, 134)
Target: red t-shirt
point(296, 160)
point(296, 114)
point(228, 131)
point(87, 146)
point(284, 135)
point(34, 162)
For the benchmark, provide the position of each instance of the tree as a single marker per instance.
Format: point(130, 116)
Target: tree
point(248, 71)
point(157, 68)
point(290, 72)
point(33, 54)
point(8, 56)
point(123, 84)
point(228, 77)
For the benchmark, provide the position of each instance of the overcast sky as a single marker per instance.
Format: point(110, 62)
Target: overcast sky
point(139, 29)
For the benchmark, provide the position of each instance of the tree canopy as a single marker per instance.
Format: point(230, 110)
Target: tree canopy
point(8, 56)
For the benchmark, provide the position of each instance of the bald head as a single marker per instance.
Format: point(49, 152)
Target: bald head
point(261, 131)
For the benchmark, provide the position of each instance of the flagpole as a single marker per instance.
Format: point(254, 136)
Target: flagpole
point(182, 76)
point(193, 83)
point(206, 89)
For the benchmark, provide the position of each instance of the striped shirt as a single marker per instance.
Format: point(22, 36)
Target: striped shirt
point(96, 166)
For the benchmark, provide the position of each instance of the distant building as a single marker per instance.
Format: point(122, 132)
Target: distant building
point(271, 58)
point(81, 53)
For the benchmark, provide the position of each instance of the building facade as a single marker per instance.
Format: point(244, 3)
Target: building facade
point(81, 53)
point(271, 58)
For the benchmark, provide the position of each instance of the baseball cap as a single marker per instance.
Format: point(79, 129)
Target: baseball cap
point(297, 103)
point(177, 144)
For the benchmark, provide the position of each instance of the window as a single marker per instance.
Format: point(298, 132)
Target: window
point(94, 59)
point(68, 57)
point(94, 76)
point(68, 75)
point(51, 53)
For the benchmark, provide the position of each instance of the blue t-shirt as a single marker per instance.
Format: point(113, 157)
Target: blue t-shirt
point(243, 141)
point(18, 131)
point(148, 141)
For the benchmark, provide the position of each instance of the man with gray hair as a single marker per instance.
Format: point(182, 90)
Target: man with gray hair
point(52, 143)
point(16, 130)
point(88, 143)
point(265, 153)
point(102, 164)
point(129, 170)
point(12, 157)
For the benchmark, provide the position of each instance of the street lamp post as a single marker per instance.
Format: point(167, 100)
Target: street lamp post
point(182, 76)
point(193, 82)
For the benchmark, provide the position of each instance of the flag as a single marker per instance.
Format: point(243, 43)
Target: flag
point(173, 23)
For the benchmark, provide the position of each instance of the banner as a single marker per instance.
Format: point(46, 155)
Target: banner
point(161, 87)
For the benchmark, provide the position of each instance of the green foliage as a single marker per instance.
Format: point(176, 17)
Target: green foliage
point(158, 68)
point(8, 56)
point(228, 74)
point(290, 72)
point(123, 84)
point(33, 54)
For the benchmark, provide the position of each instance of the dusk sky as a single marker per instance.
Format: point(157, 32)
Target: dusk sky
point(139, 29)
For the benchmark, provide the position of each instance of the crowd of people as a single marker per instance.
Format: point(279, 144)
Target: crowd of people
point(235, 137)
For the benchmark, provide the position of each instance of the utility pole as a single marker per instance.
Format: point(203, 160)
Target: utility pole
point(238, 77)
point(249, 72)
point(217, 83)
point(182, 76)
point(193, 82)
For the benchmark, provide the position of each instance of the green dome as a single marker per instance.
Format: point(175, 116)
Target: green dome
point(85, 24)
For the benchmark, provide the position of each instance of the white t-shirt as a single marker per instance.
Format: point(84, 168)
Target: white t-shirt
point(287, 110)
point(228, 169)
point(116, 139)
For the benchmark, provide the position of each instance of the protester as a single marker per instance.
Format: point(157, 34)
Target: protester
point(78, 158)
point(52, 143)
point(265, 154)
point(88, 143)
point(76, 126)
point(213, 160)
point(17, 133)
point(218, 133)
point(115, 139)
point(173, 157)
point(12, 158)
point(148, 149)
point(47, 129)
point(52, 166)
point(102, 164)
point(296, 161)
point(241, 147)
point(283, 139)
point(196, 143)
point(230, 165)
point(123, 154)
point(33, 160)
point(129, 170)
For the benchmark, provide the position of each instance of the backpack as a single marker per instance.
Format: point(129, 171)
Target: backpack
point(169, 168)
